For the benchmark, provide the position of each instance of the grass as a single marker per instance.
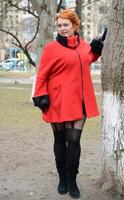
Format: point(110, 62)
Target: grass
point(10, 74)
point(15, 85)
point(16, 109)
point(96, 76)
point(93, 125)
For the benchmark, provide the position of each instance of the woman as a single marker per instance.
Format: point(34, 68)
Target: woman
point(64, 92)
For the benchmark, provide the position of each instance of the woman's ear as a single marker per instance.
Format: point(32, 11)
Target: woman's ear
point(75, 28)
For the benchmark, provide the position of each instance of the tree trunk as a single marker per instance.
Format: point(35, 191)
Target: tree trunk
point(79, 13)
point(46, 10)
point(113, 101)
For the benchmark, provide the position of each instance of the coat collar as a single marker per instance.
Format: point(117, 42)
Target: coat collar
point(70, 42)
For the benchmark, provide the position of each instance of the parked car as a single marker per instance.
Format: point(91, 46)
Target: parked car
point(6, 64)
point(96, 66)
point(12, 64)
point(0, 66)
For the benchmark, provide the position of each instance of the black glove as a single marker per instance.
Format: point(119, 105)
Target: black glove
point(97, 43)
point(42, 102)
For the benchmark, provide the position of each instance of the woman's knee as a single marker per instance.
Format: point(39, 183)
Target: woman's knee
point(73, 136)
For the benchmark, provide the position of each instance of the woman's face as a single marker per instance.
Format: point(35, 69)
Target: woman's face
point(65, 27)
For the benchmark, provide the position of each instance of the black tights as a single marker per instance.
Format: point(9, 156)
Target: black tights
point(67, 141)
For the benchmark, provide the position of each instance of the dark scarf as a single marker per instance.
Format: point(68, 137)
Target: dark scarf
point(70, 42)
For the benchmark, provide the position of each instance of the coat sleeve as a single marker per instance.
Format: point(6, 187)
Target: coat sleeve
point(93, 56)
point(46, 64)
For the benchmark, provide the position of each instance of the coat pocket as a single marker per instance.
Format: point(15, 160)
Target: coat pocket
point(55, 96)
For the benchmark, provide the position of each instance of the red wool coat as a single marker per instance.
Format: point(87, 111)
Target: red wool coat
point(64, 74)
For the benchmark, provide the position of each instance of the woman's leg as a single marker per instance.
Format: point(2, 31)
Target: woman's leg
point(73, 132)
point(60, 154)
point(59, 141)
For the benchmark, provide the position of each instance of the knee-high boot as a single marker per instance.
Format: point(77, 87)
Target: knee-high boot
point(61, 168)
point(60, 159)
point(73, 156)
point(71, 181)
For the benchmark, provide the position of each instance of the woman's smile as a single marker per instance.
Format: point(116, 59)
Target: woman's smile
point(65, 27)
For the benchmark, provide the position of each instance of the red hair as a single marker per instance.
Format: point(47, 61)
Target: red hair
point(71, 15)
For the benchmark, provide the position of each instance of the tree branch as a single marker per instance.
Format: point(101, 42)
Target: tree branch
point(87, 4)
point(7, 32)
point(26, 10)
point(18, 44)
point(26, 52)
point(59, 5)
point(36, 32)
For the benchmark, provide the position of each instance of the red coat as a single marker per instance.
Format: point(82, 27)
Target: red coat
point(64, 74)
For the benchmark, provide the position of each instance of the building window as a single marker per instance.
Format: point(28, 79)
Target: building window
point(11, 23)
point(88, 26)
point(89, 2)
point(101, 28)
point(83, 27)
point(88, 7)
point(17, 21)
point(102, 10)
point(89, 20)
point(88, 14)
point(24, 12)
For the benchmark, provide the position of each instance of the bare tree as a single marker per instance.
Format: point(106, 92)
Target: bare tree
point(59, 6)
point(79, 13)
point(43, 11)
point(79, 7)
point(8, 5)
point(46, 10)
point(113, 101)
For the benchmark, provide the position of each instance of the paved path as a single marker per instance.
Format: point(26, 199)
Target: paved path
point(28, 80)
point(17, 80)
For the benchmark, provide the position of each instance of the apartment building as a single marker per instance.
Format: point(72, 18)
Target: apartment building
point(94, 16)
point(11, 24)
point(94, 20)
point(10, 19)
point(69, 4)
point(19, 23)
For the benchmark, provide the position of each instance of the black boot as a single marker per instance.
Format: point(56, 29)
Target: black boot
point(72, 186)
point(62, 186)
point(73, 157)
point(60, 159)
